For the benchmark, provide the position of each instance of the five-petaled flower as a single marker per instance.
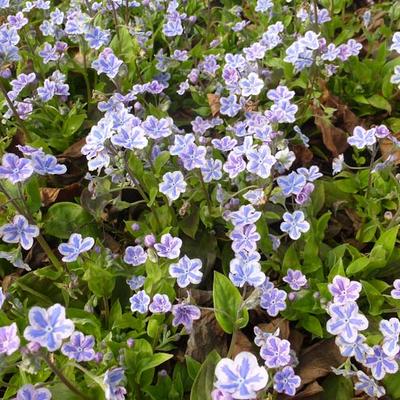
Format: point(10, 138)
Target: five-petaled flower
point(135, 255)
point(140, 302)
point(9, 339)
point(241, 377)
point(344, 290)
point(294, 224)
point(76, 245)
point(19, 231)
point(186, 271)
point(286, 381)
point(346, 321)
point(380, 363)
point(79, 347)
point(30, 392)
point(173, 185)
point(185, 314)
point(15, 169)
point(48, 327)
point(169, 246)
point(275, 352)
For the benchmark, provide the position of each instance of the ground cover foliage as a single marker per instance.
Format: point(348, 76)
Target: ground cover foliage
point(199, 199)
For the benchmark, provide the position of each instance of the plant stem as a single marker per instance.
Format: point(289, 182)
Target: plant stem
point(13, 109)
point(41, 240)
point(63, 378)
point(207, 195)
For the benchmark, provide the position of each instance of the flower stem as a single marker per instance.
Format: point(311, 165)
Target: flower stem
point(63, 378)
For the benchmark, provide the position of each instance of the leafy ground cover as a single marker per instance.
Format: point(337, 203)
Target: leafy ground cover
point(199, 199)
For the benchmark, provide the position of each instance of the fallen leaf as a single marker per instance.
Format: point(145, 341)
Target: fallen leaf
point(206, 336)
point(213, 101)
point(242, 343)
point(74, 151)
point(303, 154)
point(389, 149)
point(49, 195)
point(309, 391)
point(276, 323)
point(317, 361)
point(52, 195)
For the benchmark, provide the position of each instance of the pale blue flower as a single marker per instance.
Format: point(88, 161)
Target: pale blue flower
point(395, 42)
point(273, 300)
point(244, 216)
point(29, 392)
point(15, 169)
point(380, 363)
point(107, 63)
point(276, 352)
point(48, 327)
point(229, 105)
point(173, 185)
point(294, 224)
point(252, 85)
point(135, 255)
point(160, 304)
point(346, 321)
point(242, 272)
point(46, 164)
point(140, 302)
point(362, 137)
point(260, 162)
point(212, 170)
point(169, 246)
point(130, 138)
point(241, 377)
point(76, 245)
point(186, 271)
point(292, 183)
point(9, 339)
point(368, 385)
point(112, 381)
point(79, 347)
point(19, 231)
point(390, 330)
point(286, 381)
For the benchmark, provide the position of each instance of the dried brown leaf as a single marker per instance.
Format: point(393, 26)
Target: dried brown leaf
point(74, 151)
point(276, 323)
point(242, 343)
point(213, 101)
point(206, 336)
point(317, 361)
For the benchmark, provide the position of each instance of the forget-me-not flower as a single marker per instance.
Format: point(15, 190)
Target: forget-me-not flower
point(286, 381)
point(173, 185)
point(9, 339)
point(135, 255)
point(76, 245)
point(19, 231)
point(169, 246)
point(186, 271)
point(79, 347)
point(30, 392)
point(294, 224)
point(15, 169)
point(140, 302)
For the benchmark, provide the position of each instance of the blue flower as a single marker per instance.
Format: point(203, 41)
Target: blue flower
point(173, 26)
point(76, 245)
point(19, 231)
point(15, 169)
point(169, 246)
point(241, 377)
point(46, 164)
point(368, 385)
point(286, 381)
point(395, 293)
point(380, 363)
point(9, 339)
point(107, 63)
point(112, 380)
point(280, 93)
point(185, 314)
point(79, 347)
point(211, 170)
point(260, 162)
point(275, 352)
point(244, 216)
point(229, 105)
point(252, 85)
point(344, 290)
point(48, 327)
point(173, 185)
point(140, 302)
point(158, 128)
point(294, 224)
point(29, 392)
point(186, 271)
point(295, 278)
point(242, 272)
point(2, 298)
point(135, 255)
point(245, 238)
point(362, 137)
point(292, 183)
point(264, 5)
point(160, 304)
point(357, 349)
point(390, 330)
point(234, 165)
point(136, 282)
point(395, 42)
point(97, 37)
point(130, 138)
point(193, 156)
point(346, 321)
point(273, 301)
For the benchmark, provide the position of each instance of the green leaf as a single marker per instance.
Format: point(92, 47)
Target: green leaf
point(62, 219)
point(312, 324)
point(33, 200)
point(227, 303)
point(193, 367)
point(72, 124)
point(375, 299)
point(204, 382)
point(155, 360)
point(380, 102)
point(388, 240)
point(135, 165)
point(392, 385)
point(190, 223)
point(337, 388)
point(357, 265)
point(100, 281)
point(160, 161)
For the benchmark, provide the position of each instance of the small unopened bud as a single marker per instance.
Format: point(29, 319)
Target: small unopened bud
point(388, 215)
point(98, 357)
point(130, 342)
point(135, 227)
point(149, 240)
point(33, 347)
point(292, 296)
